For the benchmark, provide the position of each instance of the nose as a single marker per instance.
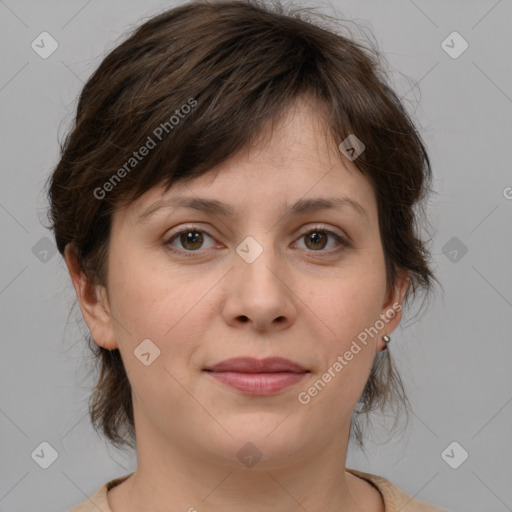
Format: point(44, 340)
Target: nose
point(258, 294)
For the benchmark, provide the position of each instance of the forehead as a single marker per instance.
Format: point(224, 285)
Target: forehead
point(298, 159)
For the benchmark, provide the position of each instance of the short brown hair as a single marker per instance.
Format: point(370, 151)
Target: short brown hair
point(239, 64)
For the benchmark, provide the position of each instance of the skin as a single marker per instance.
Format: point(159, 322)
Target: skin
point(289, 302)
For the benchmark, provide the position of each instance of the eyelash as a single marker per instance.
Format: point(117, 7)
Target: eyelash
point(342, 241)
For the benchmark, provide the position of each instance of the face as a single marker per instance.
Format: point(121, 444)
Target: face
point(263, 281)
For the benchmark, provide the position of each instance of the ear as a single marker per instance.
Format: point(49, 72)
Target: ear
point(93, 303)
point(391, 312)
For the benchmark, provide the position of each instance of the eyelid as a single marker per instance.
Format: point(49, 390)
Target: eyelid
point(327, 229)
point(343, 240)
point(187, 228)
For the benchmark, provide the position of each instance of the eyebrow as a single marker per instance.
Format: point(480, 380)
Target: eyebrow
point(214, 207)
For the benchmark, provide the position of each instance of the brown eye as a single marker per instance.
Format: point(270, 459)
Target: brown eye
point(190, 240)
point(316, 240)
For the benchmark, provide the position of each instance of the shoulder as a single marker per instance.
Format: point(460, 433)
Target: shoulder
point(395, 499)
point(98, 500)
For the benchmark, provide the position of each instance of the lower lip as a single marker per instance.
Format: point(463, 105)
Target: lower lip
point(258, 383)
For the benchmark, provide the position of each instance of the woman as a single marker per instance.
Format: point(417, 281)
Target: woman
point(235, 208)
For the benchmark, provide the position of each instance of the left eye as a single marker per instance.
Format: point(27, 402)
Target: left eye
point(317, 238)
point(192, 239)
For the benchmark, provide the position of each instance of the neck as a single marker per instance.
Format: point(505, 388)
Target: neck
point(312, 479)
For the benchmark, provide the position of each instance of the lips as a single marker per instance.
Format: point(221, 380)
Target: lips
point(252, 365)
point(252, 376)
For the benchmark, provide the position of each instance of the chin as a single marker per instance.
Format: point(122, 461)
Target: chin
point(262, 444)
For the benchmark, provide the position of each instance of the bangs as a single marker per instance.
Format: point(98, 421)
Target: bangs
point(191, 98)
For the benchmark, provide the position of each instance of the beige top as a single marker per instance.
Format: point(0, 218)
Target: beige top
point(395, 500)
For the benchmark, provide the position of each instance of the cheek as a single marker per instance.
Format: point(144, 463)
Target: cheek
point(163, 305)
point(151, 303)
point(149, 298)
point(350, 311)
point(350, 306)
point(353, 301)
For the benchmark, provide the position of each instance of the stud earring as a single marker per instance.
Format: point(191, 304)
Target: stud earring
point(387, 339)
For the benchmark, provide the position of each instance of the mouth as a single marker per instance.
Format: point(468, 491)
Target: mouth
point(257, 376)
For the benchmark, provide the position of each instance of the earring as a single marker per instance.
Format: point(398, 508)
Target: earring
point(387, 339)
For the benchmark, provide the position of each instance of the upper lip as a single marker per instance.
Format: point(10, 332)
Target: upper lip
point(253, 365)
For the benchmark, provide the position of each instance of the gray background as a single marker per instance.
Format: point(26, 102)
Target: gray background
point(455, 360)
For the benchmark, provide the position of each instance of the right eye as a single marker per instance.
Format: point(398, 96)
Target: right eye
point(190, 238)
